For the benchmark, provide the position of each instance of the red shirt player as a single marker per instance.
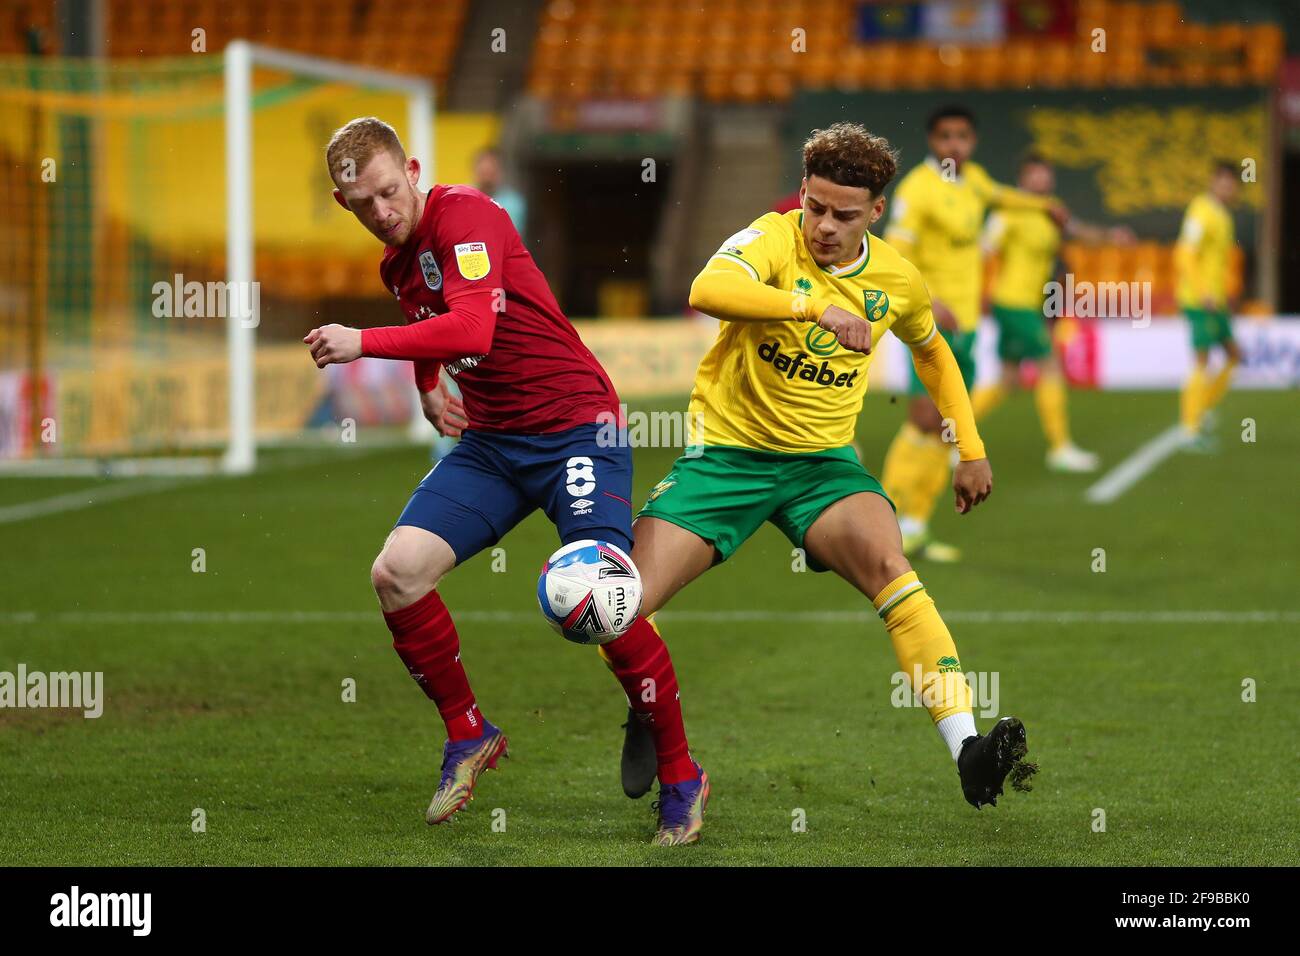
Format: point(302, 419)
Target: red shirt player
point(477, 307)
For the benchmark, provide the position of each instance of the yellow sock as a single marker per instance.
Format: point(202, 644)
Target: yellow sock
point(1218, 386)
point(923, 646)
point(900, 467)
point(985, 398)
point(916, 471)
point(1193, 398)
point(1050, 397)
point(935, 472)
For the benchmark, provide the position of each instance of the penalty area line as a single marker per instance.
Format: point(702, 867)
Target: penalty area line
point(1135, 467)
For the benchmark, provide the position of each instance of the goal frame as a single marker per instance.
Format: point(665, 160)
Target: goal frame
point(240, 59)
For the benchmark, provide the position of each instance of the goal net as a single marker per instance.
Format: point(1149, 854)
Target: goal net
point(167, 235)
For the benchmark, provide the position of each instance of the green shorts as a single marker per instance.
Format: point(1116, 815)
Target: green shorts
point(1022, 334)
point(1208, 328)
point(963, 349)
point(726, 493)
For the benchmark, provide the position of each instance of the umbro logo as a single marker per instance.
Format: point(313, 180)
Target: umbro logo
point(582, 506)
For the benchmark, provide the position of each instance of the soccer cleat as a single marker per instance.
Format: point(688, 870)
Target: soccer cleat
point(640, 763)
point(462, 762)
point(1198, 442)
point(920, 545)
point(681, 810)
point(985, 761)
point(1072, 459)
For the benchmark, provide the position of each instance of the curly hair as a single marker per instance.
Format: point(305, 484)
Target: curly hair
point(849, 155)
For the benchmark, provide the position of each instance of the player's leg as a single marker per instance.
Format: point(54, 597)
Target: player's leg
point(585, 488)
point(1217, 386)
point(858, 538)
point(463, 505)
point(985, 398)
point(1192, 402)
point(1051, 397)
point(711, 501)
point(918, 465)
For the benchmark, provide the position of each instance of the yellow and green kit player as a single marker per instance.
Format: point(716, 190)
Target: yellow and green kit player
point(938, 216)
point(1027, 242)
point(1202, 256)
point(803, 299)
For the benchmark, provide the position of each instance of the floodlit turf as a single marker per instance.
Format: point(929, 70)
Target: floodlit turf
point(216, 698)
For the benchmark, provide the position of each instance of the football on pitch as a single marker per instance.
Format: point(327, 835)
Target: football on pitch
point(590, 591)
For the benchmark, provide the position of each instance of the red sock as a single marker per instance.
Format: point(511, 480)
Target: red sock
point(640, 661)
point(425, 639)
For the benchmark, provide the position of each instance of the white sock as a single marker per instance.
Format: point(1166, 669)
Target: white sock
point(955, 728)
point(911, 526)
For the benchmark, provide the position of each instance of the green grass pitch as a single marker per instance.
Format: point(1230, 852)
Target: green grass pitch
point(223, 689)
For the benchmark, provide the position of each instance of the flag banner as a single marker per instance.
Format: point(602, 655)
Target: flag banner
point(889, 21)
point(963, 21)
point(1041, 18)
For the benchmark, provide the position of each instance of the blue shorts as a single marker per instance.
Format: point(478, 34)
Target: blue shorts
point(492, 481)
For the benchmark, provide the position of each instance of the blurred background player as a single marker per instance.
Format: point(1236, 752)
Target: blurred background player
point(938, 214)
point(490, 181)
point(1026, 243)
point(1203, 255)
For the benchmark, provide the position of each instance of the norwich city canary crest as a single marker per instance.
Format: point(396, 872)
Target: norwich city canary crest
point(876, 303)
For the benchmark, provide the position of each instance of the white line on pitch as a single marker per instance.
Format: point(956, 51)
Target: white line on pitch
point(686, 617)
point(85, 498)
point(1136, 466)
point(128, 487)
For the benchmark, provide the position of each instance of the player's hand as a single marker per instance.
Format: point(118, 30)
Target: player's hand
point(334, 345)
point(944, 317)
point(852, 331)
point(973, 482)
point(1121, 236)
point(444, 411)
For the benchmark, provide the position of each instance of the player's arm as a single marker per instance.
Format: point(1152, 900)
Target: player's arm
point(1187, 253)
point(470, 246)
point(444, 410)
point(1001, 196)
point(1098, 235)
point(733, 287)
point(938, 370)
point(727, 290)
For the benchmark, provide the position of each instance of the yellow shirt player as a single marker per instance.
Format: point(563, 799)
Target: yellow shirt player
point(1026, 243)
point(938, 215)
point(804, 299)
point(1203, 256)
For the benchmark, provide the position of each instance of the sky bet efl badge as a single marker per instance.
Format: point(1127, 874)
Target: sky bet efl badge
point(432, 274)
point(472, 260)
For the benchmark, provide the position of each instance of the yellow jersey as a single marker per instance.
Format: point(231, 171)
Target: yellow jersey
point(1026, 242)
point(936, 221)
point(1203, 253)
point(788, 386)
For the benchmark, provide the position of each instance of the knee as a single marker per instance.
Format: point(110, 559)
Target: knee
point(889, 567)
point(396, 581)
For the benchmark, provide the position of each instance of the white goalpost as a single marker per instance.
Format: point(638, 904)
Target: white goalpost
point(152, 287)
point(241, 57)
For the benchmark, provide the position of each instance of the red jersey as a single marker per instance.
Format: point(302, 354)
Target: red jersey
point(479, 307)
